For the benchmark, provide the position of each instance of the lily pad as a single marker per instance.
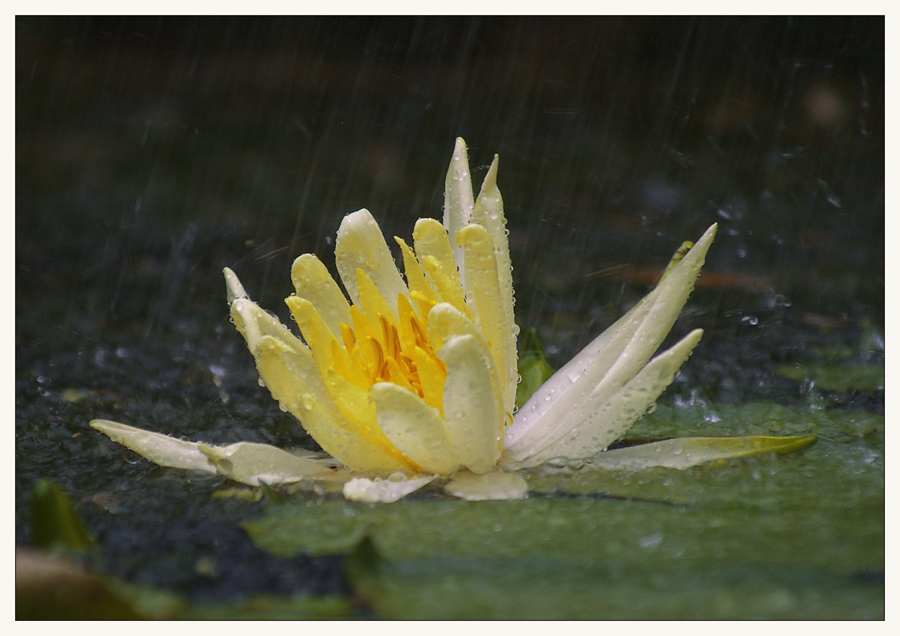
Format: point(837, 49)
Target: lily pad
point(542, 589)
point(764, 537)
point(836, 377)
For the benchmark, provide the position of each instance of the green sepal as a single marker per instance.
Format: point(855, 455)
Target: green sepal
point(533, 366)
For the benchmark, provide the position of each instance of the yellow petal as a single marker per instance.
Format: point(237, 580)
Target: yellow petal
point(294, 381)
point(313, 282)
point(446, 323)
point(372, 304)
point(431, 377)
point(474, 416)
point(315, 332)
point(415, 428)
point(489, 214)
point(496, 320)
point(360, 245)
point(458, 200)
point(436, 257)
point(419, 287)
point(358, 412)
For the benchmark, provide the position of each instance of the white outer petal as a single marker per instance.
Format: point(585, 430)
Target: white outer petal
point(159, 449)
point(594, 424)
point(493, 486)
point(383, 491)
point(611, 360)
point(252, 464)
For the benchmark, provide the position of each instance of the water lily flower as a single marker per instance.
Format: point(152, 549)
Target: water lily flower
point(414, 379)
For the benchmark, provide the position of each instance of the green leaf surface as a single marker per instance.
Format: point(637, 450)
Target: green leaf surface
point(764, 537)
point(837, 377)
point(541, 589)
point(274, 608)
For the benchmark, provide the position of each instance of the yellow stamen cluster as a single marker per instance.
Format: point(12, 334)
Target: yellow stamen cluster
point(397, 350)
point(381, 345)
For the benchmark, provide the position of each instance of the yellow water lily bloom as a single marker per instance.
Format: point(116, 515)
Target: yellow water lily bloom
point(414, 378)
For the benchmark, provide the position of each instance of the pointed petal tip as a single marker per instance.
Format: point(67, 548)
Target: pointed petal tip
point(233, 286)
point(709, 234)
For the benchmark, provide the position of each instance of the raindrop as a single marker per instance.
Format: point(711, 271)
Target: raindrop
point(651, 540)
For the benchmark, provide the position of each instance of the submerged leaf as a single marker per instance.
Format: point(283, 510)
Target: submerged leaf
point(684, 452)
point(49, 587)
point(54, 522)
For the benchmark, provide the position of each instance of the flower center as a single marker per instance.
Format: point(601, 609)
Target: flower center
point(390, 348)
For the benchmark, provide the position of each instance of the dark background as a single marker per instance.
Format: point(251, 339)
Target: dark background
point(152, 152)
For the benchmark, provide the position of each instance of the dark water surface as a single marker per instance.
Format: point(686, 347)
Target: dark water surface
point(150, 153)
